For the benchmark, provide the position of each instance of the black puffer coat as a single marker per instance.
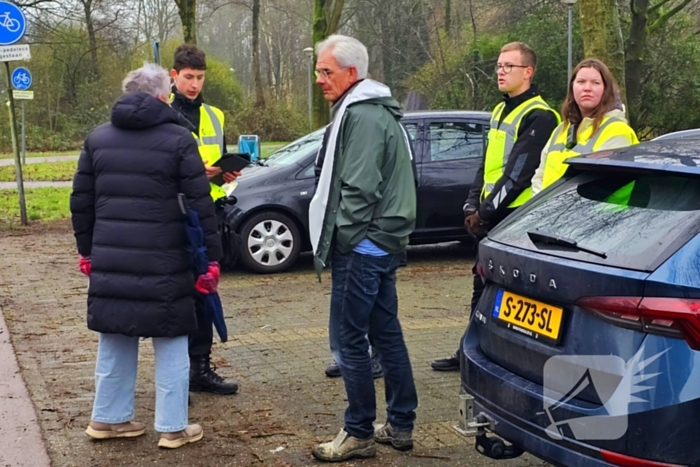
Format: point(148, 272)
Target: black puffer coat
point(127, 219)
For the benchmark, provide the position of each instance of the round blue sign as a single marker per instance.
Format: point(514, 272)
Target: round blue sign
point(12, 23)
point(21, 79)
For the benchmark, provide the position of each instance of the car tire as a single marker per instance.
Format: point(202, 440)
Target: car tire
point(270, 242)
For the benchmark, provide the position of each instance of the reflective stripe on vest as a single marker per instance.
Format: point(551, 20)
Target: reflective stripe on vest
point(502, 139)
point(555, 168)
point(211, 141)
point(218, 138)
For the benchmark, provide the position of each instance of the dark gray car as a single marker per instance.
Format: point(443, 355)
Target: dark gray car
point(267, 214)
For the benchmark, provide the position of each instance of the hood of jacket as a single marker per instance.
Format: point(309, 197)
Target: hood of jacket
point(616, 113)
point(139, 110)
point(368, 91)
point(389, 104)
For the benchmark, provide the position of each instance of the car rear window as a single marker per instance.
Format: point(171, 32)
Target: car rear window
point(638, 221)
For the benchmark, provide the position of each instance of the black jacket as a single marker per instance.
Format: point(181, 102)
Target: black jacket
point(127, 219)
point(522, 162)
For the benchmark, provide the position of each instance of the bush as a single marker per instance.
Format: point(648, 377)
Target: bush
point(277, 122)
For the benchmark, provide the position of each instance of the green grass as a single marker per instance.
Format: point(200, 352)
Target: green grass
point(43, 204)
point(266, 148)
point(63, 171)
point(42, 172)
point(43, 154)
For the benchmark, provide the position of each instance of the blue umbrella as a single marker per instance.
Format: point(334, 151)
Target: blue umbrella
point(200, 261)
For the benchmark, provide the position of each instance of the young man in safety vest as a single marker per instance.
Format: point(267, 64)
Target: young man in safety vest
point(519, 129)
point(207, 126)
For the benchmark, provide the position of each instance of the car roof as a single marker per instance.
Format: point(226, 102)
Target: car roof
point(681, 155)
point(481, 115)
point(691, 133)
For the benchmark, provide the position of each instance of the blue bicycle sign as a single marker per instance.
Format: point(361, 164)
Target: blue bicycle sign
point(12, 23)
point(21, 79)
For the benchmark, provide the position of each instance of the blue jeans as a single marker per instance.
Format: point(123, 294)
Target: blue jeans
point(364, 301)
point(115, 380)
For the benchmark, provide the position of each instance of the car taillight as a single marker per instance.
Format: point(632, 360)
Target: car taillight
point(627, 461)
point(674, 317)
point(480, 271)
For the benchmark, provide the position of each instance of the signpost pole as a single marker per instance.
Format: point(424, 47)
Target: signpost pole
point(15, 148)
point(24, 139)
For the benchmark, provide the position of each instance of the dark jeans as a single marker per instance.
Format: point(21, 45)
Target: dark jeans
point(364, 301)
point(201, 339)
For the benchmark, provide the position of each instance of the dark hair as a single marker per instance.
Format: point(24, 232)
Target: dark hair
point(189, 56)
point(570, 111)
point(526, 53)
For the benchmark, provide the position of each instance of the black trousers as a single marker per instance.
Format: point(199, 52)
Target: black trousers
point(478, 287)
point(200, 339)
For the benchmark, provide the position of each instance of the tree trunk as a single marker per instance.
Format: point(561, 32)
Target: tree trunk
point(602, 36)
point(635, 46)
point(448, 18)
point(187, 9)
point(257, 78)
point(326, 21)
point(634, 58)
point(92, 39)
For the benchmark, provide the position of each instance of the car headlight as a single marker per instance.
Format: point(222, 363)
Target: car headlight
point(229, 187)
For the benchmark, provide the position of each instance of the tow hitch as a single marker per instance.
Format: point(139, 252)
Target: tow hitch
point(477, 426)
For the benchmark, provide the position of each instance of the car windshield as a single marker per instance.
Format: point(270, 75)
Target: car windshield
point(296, 151)
point(638, 221)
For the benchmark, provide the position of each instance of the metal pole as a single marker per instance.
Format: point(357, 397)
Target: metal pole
point(15, 148)
point(568, 76)
point(24, 139)
point(310, 96)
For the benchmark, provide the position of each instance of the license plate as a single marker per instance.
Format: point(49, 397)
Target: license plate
point(526, 316)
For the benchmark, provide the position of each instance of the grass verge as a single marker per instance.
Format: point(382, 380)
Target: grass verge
point(43, 204)
point(42, 172)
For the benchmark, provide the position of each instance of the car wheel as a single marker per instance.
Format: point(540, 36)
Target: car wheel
point(270, 242)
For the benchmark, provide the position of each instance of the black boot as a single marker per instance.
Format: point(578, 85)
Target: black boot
point(204, 379)
point(446, 364)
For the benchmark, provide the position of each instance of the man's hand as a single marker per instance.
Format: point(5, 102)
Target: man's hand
point(209, 281)
point(85, 265)
point(212, 171)
point(476, 226)
point(231, 176)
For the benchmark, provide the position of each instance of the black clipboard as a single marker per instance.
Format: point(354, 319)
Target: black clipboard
point(229, 163)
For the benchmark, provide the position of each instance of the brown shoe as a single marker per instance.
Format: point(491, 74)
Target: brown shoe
point(99, 430)
point(345, 447)
point(191, 434)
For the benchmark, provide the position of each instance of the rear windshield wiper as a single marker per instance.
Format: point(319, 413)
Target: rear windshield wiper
point(540, 237)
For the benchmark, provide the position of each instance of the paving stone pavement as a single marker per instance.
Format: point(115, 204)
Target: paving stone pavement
point(277, 350)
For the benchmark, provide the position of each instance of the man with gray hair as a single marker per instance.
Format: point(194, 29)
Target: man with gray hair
point(130, 233)
point(360, 218)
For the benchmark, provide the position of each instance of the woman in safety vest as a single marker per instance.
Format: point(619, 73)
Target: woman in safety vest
point(593, 119)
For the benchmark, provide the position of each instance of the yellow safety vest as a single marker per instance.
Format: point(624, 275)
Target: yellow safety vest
point(555, 168)
point(210, 140)
point(501, 139)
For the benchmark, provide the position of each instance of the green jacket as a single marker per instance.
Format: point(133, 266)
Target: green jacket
point(372, 190)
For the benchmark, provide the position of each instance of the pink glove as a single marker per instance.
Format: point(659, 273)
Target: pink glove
point(85, 265)
point(208, 282)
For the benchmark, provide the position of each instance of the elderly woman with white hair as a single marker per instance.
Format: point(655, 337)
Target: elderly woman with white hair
point(131, 237)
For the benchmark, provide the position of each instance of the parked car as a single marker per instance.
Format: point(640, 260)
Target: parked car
point(267, 212)
point(584, 348)
point(692, 133)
